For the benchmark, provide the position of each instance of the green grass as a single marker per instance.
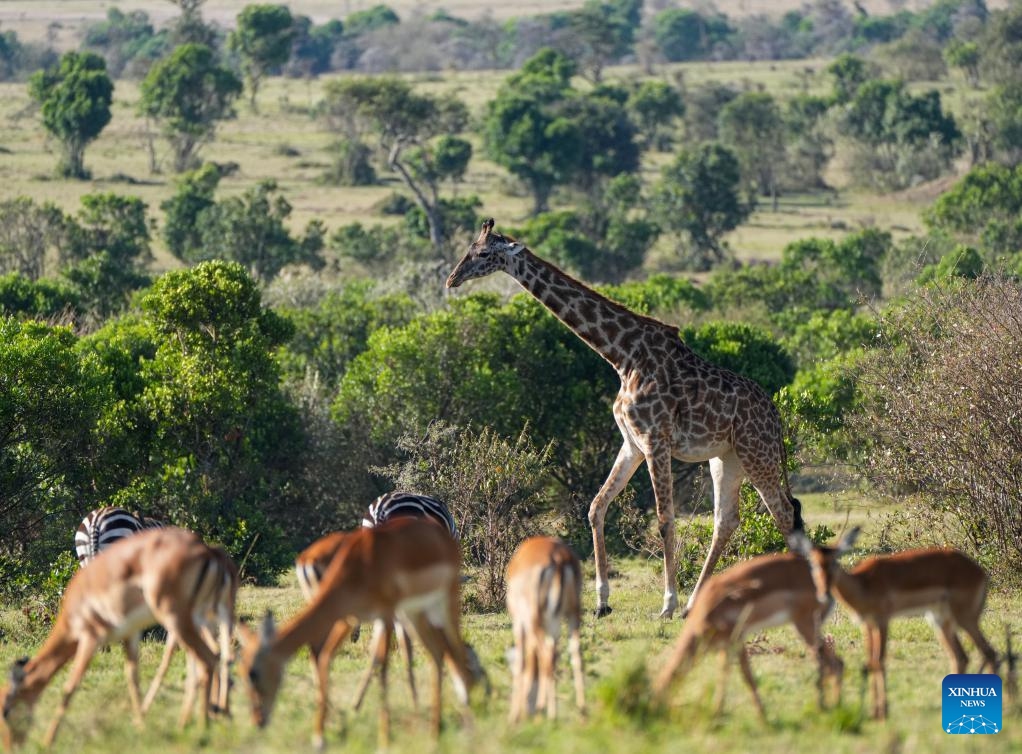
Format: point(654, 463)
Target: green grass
point(617, 649)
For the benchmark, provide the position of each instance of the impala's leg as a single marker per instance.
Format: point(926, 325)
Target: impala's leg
point(659, 464)
point(518, 689)
point(405, 641)
point(131, 675)
point(946, 629)
point(880, 671)
point(448, 626)
point(381, 633)
point(969, 621)
point(575, 651)
point(530, 678)
point(750, 681)
point(226, 631)
point(628, 460)
point(83, 654)
point(808, 629)
point(321, 659)
point(382, 651)
point(433, 640)
point(723, 667)
point(161, 672)
point(727, 475)
point(205, 665)
point(548, 673)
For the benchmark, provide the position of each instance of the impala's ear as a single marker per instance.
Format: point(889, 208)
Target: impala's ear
point(800, 543)
point(848, 540)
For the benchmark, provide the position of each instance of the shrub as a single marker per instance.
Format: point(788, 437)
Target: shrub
point(490, 486)
point(942, 404)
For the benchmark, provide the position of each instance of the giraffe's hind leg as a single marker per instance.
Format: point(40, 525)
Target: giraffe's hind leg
point(727, 474)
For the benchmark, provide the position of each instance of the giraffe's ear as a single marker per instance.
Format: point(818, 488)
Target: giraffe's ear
point(514, 248)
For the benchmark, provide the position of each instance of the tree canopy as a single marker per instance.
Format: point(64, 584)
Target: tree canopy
point(75, 99)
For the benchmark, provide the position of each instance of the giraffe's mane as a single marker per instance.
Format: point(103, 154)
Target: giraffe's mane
point(599, 296)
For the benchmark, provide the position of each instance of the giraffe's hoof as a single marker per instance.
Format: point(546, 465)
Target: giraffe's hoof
point(684, 612)
point(667, 613)
point(603, 611)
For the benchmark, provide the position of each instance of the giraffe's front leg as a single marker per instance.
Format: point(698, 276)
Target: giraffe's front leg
point(659, 463)
point(628, 460)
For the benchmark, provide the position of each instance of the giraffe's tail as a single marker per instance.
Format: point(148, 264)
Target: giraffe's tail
point(797, 524)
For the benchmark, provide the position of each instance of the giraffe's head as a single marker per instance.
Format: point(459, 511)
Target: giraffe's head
point(490, 252)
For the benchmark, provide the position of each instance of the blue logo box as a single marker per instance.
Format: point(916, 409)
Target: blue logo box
point(971, 703)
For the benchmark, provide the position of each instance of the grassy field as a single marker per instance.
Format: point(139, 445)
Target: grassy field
point(616, 648)
point(287, 143)
point(63, 20)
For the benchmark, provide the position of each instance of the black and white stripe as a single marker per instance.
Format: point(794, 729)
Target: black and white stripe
point(396, 504)
point(104, 526)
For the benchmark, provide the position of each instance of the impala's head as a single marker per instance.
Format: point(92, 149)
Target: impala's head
point(490, 252)
point(823, 561)
point(17, 706)
point(261, 668)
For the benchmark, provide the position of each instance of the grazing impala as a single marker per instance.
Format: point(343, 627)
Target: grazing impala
point(406, 569)
point(310, 565)
point(312, 562)
point(766, 591)
point(544, 588)
point(167, 576)
point(945, 585)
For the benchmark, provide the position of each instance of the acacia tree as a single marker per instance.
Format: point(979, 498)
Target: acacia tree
point(603, 32)
point(418, 133)
point(75, 99)
point(189, 93)
point(525, 134)
point(752, 127)
point(263, 41)
point(698, 196)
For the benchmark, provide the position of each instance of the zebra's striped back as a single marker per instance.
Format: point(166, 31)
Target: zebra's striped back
point(104, 526)
point(397, 504)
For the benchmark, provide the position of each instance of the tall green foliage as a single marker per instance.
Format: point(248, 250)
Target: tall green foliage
point(699, 198)
point(188, 93)
point(74, 99)
point(262, 39)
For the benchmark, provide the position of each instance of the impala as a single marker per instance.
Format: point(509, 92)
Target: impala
point(310, 565)
point(220, 616)
point(166, 576)
point(945, 585)
point(766, 591)
point(408, 569)
point(544, 588)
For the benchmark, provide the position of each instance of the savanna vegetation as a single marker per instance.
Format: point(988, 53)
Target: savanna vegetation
point(222, 254)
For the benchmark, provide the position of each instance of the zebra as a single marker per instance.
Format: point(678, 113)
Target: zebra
point(397, 503)
point(104, 526)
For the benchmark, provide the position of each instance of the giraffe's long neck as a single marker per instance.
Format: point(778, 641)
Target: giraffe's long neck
point(602, 324)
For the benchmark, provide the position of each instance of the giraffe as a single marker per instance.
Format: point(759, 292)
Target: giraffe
point(672, 403)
